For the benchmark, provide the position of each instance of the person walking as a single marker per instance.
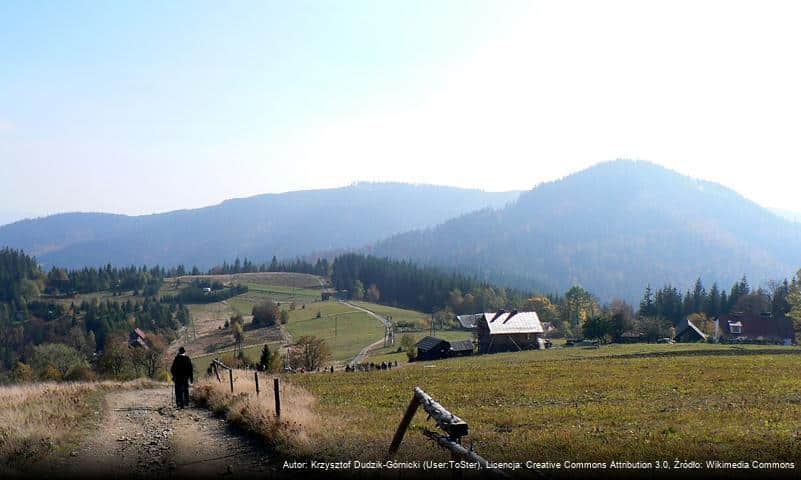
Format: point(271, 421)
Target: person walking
point(182, 374)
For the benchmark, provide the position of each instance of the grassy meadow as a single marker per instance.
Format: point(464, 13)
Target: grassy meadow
point(345, 329)
point(252, 353)
point(635, 402)
point(399, 315)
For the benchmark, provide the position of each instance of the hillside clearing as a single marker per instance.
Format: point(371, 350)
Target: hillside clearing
point(286, 279)
point(345, 330)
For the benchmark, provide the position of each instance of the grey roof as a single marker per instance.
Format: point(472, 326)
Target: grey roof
point(503, 322)
point(462, 345)
point(468, 321)
point(429, 343)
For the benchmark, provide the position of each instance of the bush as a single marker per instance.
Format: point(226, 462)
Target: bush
point(56, 356)
point(22, 372)
point(81, 374)
point(266, 314)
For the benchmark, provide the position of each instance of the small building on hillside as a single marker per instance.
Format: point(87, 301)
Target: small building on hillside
point(504, 331)
point(461, 348)
point(138, 338)
point(688, 332)
point(631, 337)
point(754, 328)
point(328, 294)
point(468, 322)
point(432, 348)
point(435, 348)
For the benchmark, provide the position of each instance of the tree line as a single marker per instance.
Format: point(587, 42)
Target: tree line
point(320, 267)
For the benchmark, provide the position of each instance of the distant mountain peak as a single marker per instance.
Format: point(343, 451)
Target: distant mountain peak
point(613, 227)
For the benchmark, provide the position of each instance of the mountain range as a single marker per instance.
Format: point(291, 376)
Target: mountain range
point(285, 225)
point(612, 228)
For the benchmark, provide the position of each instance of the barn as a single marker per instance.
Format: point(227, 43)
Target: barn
point(138, 338)
point(511, 331)
point(754, 328)
point(461, 348)
point(434, 348)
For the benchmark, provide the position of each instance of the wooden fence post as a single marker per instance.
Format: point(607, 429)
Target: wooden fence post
point(231, 378)
point(256, 377)
point(277, 393)
point(217, 372)
point(403, 426)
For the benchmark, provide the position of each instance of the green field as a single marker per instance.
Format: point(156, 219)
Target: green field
point(345, 329)
point(628, 402)
point(399, 315)
point(252, 352)
point(259, 293)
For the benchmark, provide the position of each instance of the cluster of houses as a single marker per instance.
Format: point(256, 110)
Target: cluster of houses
point(741, 327)
point(510, 331)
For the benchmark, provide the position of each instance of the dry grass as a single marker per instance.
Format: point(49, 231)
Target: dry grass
point(291, 434)
point(36, 419)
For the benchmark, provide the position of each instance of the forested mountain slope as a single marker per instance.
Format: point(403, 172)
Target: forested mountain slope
point(612, 228)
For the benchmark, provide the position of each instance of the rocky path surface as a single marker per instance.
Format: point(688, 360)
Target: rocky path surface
point(143, 435)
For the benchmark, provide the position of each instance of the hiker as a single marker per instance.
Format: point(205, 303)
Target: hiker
point(182, 374)
point(332, 369)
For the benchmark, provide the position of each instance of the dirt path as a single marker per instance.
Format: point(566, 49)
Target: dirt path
point(143, 435)
point(359, 358)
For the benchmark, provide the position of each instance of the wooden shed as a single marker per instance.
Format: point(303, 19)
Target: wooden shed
point(461, 348)
point(504, 331)
point(432, 348)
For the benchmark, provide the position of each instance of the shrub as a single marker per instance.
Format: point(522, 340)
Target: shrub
point(266, 314)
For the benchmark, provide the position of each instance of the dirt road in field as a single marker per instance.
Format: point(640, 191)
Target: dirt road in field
point(359, 358)
point(142, 434)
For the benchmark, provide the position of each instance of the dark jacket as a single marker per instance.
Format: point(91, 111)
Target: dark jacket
point(181, 369)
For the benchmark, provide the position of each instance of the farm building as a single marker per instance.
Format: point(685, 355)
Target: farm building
point(504, 331)
point(138, 338)
point(468, 322)
point(764, 328)
point(631, 337)
point(687, 331)
point(434, 348)
point(461, 348)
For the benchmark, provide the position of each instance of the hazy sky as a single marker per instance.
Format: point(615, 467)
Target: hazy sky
point(143, 107)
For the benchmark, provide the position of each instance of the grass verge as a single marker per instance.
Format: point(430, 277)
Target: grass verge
point(40, 418)
point(290, 434)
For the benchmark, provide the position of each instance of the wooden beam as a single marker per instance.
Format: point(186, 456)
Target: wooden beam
point(454, 426)
point(403, 426)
